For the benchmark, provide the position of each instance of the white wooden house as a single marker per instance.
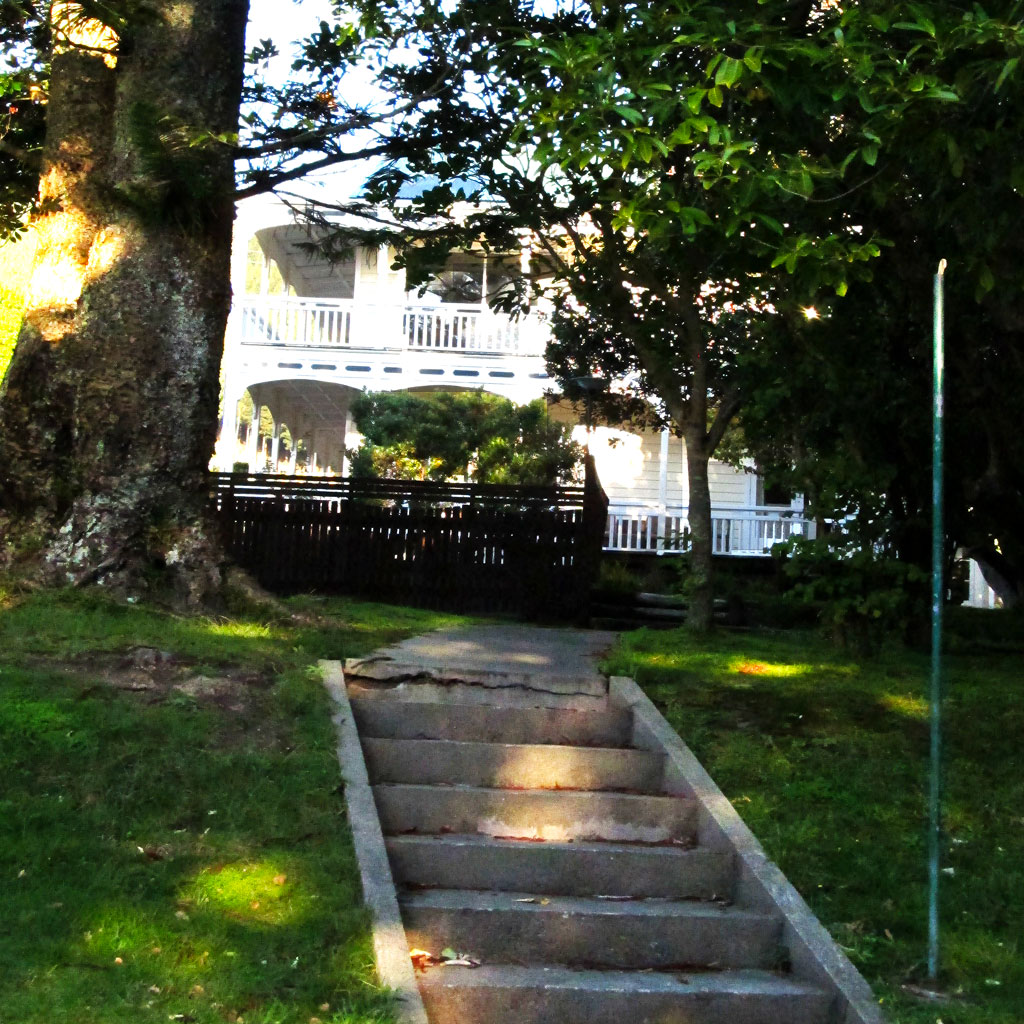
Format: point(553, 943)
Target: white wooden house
point(305, 336)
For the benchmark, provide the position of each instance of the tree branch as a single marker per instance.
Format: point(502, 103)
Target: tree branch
point(30, 158)
point(269, 182)
point(353, 123)
point(730, 404)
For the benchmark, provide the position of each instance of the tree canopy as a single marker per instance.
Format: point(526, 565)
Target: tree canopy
point(471, 434)
point(683, 170)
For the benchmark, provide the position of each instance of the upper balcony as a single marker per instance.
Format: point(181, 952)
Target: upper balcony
point(321, 323)
point(288, 295)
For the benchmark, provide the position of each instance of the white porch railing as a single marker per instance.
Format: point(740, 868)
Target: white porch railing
point(341, 323)
point(302, 323)
point(734, 531)
point(470, 330)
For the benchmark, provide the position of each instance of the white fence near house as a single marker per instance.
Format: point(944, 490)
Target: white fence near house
point(345, 323)
point(734, 531)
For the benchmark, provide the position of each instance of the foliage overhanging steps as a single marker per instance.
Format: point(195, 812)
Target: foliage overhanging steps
point(528, 829)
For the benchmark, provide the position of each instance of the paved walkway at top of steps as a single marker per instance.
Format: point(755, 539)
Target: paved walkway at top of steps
point(512, 648)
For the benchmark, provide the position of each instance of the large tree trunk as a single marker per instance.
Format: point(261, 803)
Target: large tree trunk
point(699, 589)
point(109, 411)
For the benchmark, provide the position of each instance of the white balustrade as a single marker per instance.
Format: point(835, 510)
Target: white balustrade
point(305, 323)
point(734, 531)
point(339, 323)
point(469, 330)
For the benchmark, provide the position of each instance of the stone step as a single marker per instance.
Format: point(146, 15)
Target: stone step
point(502, 927)
point(573, 869)
point(511, 696)
point(504, 994)
point(538, 814)
point(489, 724)
point(513, 765)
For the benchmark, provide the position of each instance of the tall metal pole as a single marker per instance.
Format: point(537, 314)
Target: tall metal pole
point(938, 593)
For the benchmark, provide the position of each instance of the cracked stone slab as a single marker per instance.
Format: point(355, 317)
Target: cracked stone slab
point(508, 647)
point(383, 669)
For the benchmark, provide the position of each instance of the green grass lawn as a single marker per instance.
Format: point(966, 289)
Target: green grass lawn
point(173, 843)
point(825, 757)
point(15, 267)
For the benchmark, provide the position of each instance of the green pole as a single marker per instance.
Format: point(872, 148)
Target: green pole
point(938, 593)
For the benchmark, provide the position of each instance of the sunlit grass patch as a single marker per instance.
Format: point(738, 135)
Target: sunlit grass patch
point(905, 704)
point(259, 892)
point(746, 667)
point(246, 630)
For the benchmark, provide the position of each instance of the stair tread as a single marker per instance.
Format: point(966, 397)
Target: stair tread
point(490, 723)
point(552, 748)
point(597, 794)
point(483, 840)
point(742, 981)
point(531, 903)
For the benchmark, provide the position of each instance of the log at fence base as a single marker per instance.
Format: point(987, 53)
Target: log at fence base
point(527, 551)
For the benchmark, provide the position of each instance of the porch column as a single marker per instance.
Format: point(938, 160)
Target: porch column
point(663, 491)
point(275, 445)
point(684, 486)
point(252, 447)
point(226, 449)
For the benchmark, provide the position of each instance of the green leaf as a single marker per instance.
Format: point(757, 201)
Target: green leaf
point(752, 59)
point(730, 71)
point(715, 97)
point(870, 154)
point(986, 280)
point(629, 113)
point(697, 215)
point(842, 288)
point(1008, 68)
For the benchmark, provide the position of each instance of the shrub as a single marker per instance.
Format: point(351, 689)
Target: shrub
point(862, 594)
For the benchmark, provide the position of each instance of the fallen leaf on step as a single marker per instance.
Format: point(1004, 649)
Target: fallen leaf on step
point(615, 898)
point(449, 958)
point(421, 959)
point(541, 900)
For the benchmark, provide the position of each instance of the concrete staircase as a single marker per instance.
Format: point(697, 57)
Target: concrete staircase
point(524, 830)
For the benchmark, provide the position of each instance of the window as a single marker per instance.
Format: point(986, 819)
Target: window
point(773, 494)
point(467, 277)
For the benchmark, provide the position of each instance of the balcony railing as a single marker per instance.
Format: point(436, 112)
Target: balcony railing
point(734, 531)
point(341, 323)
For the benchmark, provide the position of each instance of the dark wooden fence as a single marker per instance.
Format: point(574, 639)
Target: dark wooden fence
point(529, 551)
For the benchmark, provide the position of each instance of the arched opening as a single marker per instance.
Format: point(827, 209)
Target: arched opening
point(287, 426)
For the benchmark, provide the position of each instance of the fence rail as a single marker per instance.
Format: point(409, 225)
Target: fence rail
point(531, 551)
point(734, 531)
point(345, 323)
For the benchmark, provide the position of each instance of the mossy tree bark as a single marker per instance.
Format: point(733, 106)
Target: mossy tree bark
point(109, 409)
